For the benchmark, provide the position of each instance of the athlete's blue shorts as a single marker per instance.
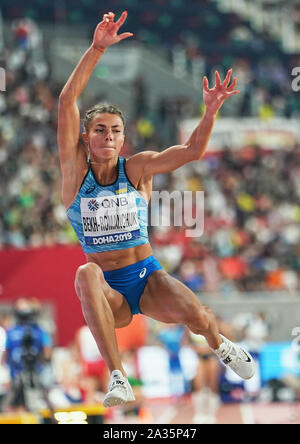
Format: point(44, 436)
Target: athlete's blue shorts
point(130, 281)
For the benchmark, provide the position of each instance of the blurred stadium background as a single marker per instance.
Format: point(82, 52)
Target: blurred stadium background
point(246, 264)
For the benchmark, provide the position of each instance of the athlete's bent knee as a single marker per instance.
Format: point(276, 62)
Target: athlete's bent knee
point(87, 274)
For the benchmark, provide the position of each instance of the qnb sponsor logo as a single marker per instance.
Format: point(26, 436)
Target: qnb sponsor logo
point(2, 79)
point(113, 202)
point(93, 205)
point(296, 80)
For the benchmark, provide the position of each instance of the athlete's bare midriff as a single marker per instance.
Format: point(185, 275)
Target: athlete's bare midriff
point(112, 260)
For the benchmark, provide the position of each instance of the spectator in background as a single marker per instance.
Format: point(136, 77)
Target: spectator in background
point(205, 384)
point(26, 33)
point(256, 332)
point(4, 375)
point(68, 376)
point(94, 372)
point(190, 276)
point(28, 348)
point(2, 339)
point(172, 338)
point(205, 393)
point(137, 407)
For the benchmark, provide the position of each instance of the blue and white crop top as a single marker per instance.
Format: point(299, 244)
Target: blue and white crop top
point(109, 217)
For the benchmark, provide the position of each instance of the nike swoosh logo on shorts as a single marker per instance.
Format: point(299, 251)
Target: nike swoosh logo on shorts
point(143, 272)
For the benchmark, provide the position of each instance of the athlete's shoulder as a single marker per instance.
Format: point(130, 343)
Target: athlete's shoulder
point(139, 160)
point(135, 166)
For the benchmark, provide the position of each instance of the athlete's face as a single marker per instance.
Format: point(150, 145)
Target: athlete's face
point(106, 136)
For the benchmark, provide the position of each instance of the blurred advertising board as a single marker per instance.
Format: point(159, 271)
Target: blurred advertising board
point(272, 134)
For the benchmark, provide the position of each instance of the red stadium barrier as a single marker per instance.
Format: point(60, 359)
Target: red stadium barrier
point(48, 274)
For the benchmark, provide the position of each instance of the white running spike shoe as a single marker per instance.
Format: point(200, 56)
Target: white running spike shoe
point(119, 390)
point(235, 357)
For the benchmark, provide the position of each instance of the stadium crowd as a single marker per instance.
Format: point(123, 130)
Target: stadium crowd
point(252, 236)
point(251, 240)
point(203, 32)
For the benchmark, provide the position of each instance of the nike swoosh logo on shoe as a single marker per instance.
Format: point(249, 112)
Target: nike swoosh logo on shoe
point(247, 356)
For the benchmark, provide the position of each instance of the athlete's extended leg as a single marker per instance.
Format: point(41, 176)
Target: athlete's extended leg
point(105, 309)
point(168, 300)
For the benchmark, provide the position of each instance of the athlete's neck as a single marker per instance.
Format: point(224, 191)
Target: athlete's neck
point(105, 171)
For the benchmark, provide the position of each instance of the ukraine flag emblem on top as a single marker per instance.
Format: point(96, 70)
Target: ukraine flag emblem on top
point(122, 188)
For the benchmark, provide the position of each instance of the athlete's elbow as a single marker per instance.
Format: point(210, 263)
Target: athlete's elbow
point(66, 98)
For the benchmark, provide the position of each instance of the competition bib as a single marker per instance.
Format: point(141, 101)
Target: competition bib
point(109, 219)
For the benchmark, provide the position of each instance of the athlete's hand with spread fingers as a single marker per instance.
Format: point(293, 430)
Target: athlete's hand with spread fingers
point(106, 32)
point(216, 96)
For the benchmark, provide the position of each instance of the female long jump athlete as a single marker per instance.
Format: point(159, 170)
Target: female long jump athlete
point(121, 276)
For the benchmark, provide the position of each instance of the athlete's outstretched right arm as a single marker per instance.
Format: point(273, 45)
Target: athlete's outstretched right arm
point(105, 35)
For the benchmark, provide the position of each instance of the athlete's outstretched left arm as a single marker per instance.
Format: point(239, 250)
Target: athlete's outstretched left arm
point(176, 156)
